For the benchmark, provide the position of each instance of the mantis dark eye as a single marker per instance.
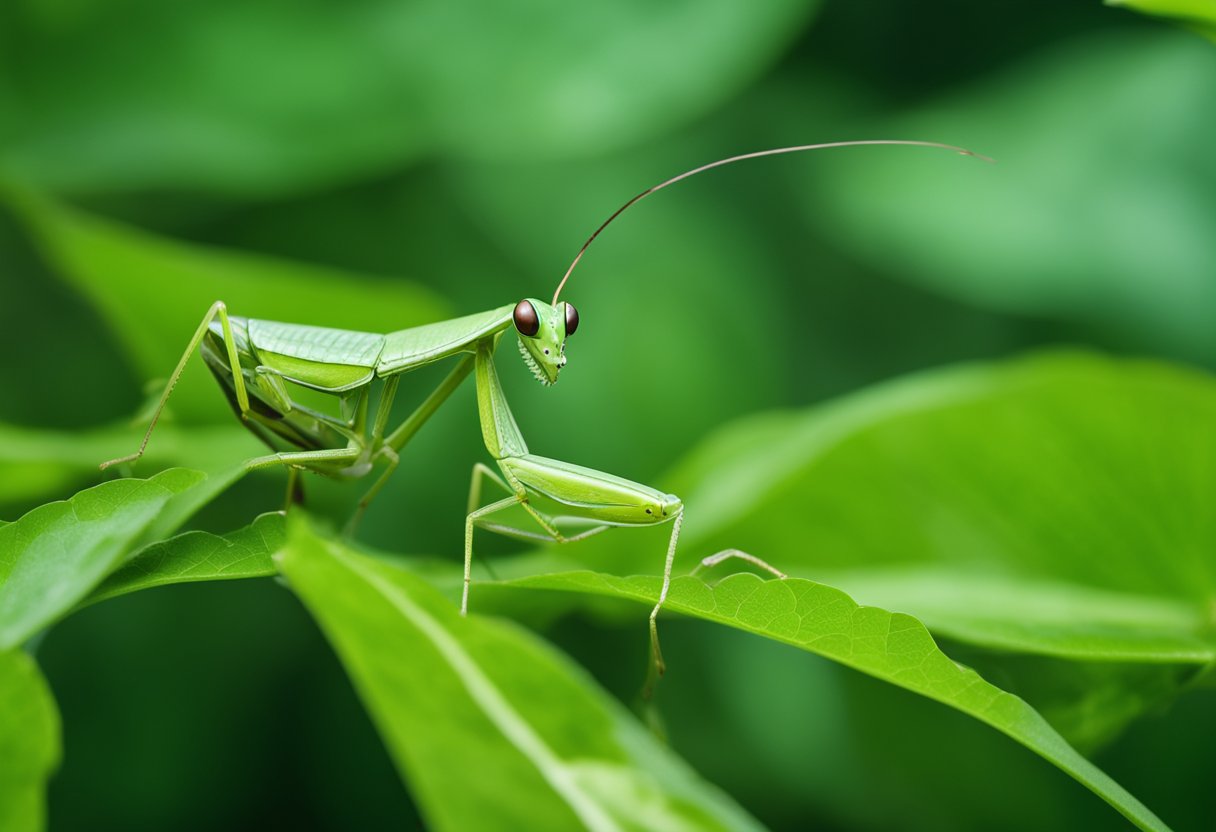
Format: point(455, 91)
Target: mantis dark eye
point(526, 319)
point(571, 319)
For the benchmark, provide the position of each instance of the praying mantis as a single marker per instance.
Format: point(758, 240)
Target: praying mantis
point(258, 362)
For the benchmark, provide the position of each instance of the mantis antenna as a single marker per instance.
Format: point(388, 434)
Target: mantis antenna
point(774, 152)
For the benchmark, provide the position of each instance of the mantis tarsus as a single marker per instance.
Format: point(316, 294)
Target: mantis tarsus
point(257, 361)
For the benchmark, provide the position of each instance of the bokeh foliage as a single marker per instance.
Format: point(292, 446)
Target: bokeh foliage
point(376, 164)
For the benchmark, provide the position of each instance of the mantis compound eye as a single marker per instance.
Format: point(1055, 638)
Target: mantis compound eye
point(571, 319)
point(526, 319)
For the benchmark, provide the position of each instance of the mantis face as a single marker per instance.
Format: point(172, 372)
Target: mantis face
point(543, 330)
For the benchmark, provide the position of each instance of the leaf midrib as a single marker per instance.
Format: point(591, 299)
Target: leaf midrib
point(490, 699)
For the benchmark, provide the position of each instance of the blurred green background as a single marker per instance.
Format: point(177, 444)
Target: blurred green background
point(374, 164)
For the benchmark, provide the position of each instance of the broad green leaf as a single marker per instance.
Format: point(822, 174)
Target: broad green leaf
point(199, 556)
point(1068, 469)
point(1199, 15)
point(154, 291)
point(491, 728)
point(1105, 220)
point(51, 558)
point(36, 463)
point(29, 743)
point(259, 99)
point(890, 646)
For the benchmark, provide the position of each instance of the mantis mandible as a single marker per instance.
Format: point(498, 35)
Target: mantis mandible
point(256, 362)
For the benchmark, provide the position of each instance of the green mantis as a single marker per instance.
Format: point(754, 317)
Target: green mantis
point(261, 364)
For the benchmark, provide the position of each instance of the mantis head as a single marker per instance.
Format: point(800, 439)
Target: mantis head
point(543, 330)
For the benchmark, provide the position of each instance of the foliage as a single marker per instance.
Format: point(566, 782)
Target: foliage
point(846, 363)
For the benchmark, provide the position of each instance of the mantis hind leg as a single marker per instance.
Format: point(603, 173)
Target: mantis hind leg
point(217, 309)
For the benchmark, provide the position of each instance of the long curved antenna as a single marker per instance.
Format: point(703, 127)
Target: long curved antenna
point(775, 152)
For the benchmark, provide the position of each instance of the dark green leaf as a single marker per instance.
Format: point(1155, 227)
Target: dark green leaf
point(890, 646)
point(199, 556)
point(491, 728)
point(29, 743)
point(119, 269)
point(263, 99)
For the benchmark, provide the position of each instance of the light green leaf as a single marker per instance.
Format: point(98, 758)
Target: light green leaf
point(29, 743)
point(890, 646)
point(119, 269)
point(1105, 219)
point(263, 99)
point(199, 556)
point(1199, 15)
point(1068, 470)
point(56, 554)
point(491, 728)
point(36, 463)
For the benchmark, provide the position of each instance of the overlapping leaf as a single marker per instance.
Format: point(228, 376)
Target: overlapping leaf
point(891, 646)
point(455, 696)
point(55, 555)
point(199, 556)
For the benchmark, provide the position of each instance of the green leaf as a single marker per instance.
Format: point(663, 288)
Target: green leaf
point(1057, 505)
point(455, 697)
point(1067, 470)
point(115, 265)
point(890, 646)
point(1199, 15)
point(1136, 262)
point(29, 743)
point(199, 556)
point(264, 99)
point(56, 554)
point(36, 463)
